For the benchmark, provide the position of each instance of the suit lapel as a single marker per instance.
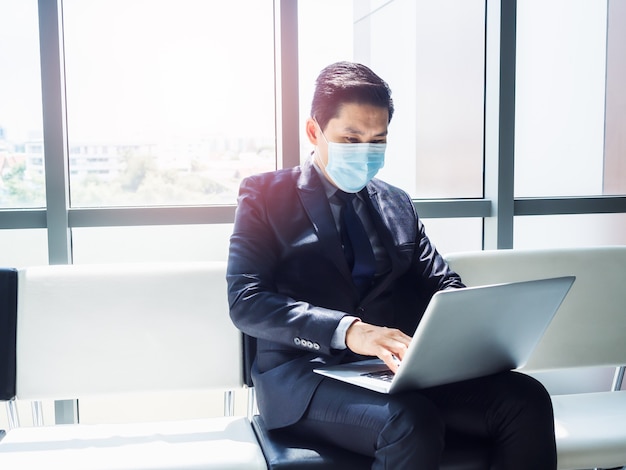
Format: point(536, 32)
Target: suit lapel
point(386, 235)
point(392, 232)
point(315, 203)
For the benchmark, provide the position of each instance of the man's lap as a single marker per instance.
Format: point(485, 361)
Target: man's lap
point(353, 417)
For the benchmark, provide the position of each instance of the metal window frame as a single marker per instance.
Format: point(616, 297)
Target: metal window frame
point(54, 131)
point(497, 208)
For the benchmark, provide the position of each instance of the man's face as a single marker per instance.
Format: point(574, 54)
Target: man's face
point(355, 123)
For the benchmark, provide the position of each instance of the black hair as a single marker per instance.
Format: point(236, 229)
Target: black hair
point(348, 82)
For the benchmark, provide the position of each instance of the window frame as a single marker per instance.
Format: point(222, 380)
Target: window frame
point(498, 206)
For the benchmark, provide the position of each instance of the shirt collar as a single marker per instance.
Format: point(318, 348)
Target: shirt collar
point(329, 188)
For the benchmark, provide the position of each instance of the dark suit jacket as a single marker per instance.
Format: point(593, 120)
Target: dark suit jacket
point(289, 284)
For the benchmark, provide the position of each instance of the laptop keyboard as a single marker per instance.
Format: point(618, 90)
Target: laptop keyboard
point(385, 375)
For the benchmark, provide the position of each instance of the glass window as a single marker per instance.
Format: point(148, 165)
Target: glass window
point(432, 56)
point(23, 247)
point(452, 235)
point(561, 231)
point(168, 102)
point(22, 181)
point(325, 36)
point(570, 98)
point(615, 143)
point(436, 148)
point(151, 243)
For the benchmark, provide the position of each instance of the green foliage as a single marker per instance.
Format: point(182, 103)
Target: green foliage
point(141, 183)
point(17, 189)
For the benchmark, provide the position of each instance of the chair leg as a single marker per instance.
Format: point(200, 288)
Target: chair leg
point(12, 414)
point(252, 409)
point(37, 411)
point(618, 378)
point(229, 403)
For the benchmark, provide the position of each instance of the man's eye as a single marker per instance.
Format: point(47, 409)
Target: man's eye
point(352, 140)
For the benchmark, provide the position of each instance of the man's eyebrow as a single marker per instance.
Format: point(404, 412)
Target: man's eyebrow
point(350, 130)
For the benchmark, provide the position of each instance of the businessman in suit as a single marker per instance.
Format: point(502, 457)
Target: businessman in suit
point(328, 265)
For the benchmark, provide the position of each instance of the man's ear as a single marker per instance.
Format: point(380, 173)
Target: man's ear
point(312, 130)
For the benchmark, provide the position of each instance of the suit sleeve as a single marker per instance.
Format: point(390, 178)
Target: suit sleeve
point(256, 306)
point(431, 266)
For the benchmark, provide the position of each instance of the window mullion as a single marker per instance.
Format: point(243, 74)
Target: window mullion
point(54, 131)
point(500, 122)
point(55, 154)
point(286, 79)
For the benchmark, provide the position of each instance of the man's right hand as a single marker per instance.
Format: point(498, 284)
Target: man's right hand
point(388, 344)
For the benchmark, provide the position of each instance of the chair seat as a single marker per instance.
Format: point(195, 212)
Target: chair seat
point(284, 451)
point(216, 443)
point(590, 429)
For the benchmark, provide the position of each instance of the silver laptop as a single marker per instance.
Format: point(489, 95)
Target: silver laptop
point(464, 334)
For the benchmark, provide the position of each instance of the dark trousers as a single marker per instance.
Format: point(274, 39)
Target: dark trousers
point(511, 411)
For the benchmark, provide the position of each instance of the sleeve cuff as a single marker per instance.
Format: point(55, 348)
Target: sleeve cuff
point(338, 341)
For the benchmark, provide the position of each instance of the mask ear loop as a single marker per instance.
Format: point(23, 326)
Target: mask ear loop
point(317, 149)
point(320, 128)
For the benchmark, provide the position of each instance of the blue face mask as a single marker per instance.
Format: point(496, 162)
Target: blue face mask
point(352, 166)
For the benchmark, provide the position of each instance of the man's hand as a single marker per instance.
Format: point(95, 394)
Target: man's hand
point(388, 344)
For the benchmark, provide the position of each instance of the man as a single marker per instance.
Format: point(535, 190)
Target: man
point(305, 284)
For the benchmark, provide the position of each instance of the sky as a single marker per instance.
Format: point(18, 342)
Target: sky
point(141, 69)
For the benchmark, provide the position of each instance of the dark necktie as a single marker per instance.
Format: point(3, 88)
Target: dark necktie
point(357, 245)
